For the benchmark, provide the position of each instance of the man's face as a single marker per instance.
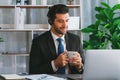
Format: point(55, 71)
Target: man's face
point(60, 24)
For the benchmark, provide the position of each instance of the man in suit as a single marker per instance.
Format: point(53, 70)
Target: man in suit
point(44, 58)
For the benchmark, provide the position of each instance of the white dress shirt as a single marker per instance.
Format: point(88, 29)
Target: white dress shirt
point(55, 37)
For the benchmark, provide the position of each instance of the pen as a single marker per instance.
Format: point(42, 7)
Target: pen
point(27, 79)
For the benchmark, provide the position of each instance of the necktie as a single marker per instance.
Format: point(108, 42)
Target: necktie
point(60, 50)
point(60, 46)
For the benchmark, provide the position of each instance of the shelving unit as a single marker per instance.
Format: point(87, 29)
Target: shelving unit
point(13, 63)
point(17, 40)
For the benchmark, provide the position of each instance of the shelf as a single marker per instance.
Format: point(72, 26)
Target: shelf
point(19, 25)
point(7, 6)
point(73, 6)
point(34, 6)
point(22, 30)
point(46, 6)
point(27, 27)
point(16, 54)
point(28, 30)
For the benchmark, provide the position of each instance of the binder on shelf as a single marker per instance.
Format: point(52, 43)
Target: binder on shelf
point(5, 2)
point(17, 11)
point(73, 23)
point(20, 2)
point(43, 2)
point(37, 2)
point(19, 19)
point(32, 2)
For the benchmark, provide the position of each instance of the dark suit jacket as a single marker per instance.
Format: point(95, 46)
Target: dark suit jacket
point(43, 52)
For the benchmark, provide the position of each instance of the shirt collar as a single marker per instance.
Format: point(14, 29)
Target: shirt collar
point(56, 37)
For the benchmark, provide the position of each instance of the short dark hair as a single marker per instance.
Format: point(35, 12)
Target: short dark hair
point(58, 8)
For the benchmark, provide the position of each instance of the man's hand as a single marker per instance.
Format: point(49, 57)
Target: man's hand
point(76, 61)
point(62, 60)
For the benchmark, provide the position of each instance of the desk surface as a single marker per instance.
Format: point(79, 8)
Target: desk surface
point(70, 76)
point(44, 77)
point(64, 76)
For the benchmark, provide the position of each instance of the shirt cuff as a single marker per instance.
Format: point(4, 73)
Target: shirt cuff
point(82, 67)
point(53, 66)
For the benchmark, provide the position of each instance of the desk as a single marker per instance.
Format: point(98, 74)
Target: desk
point(64, 76)
point(43, 77)
point(70, 76)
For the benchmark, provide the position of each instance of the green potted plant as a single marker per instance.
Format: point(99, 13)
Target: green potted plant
point(1, 39)
point(105, 32)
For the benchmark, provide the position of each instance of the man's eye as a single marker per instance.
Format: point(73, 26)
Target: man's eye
point(67, 20)
point(60, 21)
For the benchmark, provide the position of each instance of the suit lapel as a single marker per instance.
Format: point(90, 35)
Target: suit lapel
point(51, 45)
point(67, 42)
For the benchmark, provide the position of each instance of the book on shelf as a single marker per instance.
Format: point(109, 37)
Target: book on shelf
point(38, 2)
point(19, 19)
point(21, 2)
point(11, 77)
point(32, 2)
point(73, 23)
point(43, 2)
point(5, 2)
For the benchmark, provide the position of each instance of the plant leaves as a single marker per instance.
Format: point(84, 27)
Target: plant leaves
point(109, 14)
point(1, 39)
point(105, 4)
point(115, 40)
point(115, 7)
point(89, 29)
point(98, 9)
point(105, 32)
point(116, 22)
point(118, 26)
point(101, 17)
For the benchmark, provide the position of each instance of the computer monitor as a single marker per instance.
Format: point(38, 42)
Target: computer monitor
point(102, 65)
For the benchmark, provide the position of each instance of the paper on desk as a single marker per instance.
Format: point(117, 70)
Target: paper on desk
point(43, 77)
point(12, 77)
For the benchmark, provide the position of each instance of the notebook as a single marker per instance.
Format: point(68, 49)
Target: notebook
point(102, 65)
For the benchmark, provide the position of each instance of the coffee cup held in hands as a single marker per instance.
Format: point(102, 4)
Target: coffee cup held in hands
point(71, 54)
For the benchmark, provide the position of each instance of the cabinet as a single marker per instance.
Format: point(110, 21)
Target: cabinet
point(19, 25)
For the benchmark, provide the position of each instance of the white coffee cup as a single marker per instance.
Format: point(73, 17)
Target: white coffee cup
point(71, 54)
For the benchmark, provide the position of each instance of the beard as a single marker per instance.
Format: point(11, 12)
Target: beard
point(58, 31)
